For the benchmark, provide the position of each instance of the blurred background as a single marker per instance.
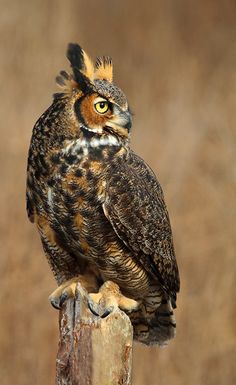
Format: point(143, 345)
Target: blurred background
point(176, 62)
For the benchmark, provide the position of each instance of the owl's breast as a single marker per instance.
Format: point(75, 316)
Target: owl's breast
point(75, 195)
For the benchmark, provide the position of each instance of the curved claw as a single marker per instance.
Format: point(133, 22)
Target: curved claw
point(99, 311)
point(107, 311)
point(57, 302)
point(91, 306)
point(63, 292)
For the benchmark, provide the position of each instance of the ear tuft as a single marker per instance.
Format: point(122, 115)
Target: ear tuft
point(64, 80)
point(104, 69)
point(80, 62)
point(83, 70)
point(75, 56)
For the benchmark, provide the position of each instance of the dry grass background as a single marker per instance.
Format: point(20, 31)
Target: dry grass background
point(176, 61)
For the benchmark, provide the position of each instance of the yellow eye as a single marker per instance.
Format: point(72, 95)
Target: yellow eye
point(101, 107)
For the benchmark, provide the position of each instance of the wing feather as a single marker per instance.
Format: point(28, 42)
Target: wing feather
point(135, 207)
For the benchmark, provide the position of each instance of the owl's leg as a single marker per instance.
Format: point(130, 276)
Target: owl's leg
point(65, 266)
point(68, 289)
point(108, 299)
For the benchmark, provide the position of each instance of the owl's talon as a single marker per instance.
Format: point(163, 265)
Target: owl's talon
point(108, 299)
point(63, 298)
point(57, 302)
point(64, 292)
point(108, 311)
point(91, 306)
point(98, 309)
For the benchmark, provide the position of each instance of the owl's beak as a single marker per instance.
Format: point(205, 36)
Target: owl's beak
point(123, 119)
point(120, 124)
point(127, 120)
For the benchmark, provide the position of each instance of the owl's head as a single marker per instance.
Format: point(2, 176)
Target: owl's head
point(99, 106)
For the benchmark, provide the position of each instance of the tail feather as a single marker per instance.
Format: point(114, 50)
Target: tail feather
point(164, 323)
point(158, 329)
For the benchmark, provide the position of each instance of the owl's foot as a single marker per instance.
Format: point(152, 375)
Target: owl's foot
point(68, 289)
point(108, 299)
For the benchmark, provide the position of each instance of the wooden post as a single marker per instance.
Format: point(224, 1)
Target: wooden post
point(93, 350)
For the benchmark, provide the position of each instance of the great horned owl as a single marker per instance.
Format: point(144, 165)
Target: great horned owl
point(99, 208)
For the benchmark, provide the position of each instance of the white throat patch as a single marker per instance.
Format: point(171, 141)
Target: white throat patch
point(76, 145)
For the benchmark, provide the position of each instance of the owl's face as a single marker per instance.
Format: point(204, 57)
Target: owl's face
point(104, 111)
point(100, 106)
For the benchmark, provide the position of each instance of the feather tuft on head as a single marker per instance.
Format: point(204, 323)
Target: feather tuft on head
point(84, 72)
point(65, 80)
point(82, 66)
point(104, 69)
point(80, 61)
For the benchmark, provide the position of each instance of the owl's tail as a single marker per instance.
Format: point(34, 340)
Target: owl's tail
point(164, 324)
point(159, 328)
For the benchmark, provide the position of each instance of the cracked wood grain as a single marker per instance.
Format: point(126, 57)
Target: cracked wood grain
point(93, 350)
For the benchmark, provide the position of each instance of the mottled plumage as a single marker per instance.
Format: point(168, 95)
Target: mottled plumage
point(98, 207)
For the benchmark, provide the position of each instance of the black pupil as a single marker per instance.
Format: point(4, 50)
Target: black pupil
point(102, 105)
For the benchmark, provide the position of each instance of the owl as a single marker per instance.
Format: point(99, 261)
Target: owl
point(98, 206)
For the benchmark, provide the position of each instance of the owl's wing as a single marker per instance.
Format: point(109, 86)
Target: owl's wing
point(135, 207)
point(29, 198)
point(29, 207)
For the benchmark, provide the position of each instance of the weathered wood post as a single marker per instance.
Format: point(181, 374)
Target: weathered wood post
point(93, 350)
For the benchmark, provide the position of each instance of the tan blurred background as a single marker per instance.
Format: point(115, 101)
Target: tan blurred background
point(176, 61)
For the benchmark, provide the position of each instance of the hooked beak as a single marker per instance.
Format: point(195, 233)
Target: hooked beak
point(121, 123)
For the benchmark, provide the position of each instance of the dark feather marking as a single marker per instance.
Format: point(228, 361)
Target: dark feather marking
point(78, 173)
point(103, 61)
point(71, 159)
point(76, 58)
